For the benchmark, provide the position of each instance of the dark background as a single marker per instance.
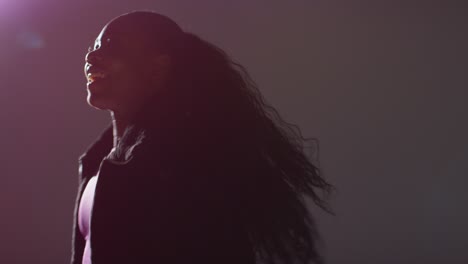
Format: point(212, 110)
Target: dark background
point(382, 84)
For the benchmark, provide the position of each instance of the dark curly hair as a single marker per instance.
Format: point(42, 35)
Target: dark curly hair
point(215, 116)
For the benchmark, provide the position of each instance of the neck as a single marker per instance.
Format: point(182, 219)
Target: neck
point(119, 123)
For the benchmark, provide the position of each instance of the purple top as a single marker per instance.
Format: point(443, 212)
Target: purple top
point(84, 216)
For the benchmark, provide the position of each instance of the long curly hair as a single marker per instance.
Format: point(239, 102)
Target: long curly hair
point(216, 116)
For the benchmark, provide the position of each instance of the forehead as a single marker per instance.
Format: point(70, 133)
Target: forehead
point(126, 34)
point(110, 31)
point(101, 36)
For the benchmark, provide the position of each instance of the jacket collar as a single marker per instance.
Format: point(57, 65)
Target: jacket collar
point(159, 123)
point(91, 159)
point(103, 144)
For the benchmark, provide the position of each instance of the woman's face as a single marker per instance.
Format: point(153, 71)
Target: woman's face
point(120, 69)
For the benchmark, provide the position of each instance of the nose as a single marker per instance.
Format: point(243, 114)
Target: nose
point(93, 58)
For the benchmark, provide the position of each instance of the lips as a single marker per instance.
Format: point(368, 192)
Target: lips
point(93, 76)
point(94, 73)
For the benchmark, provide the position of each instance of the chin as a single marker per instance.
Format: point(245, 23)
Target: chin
point(97, 102)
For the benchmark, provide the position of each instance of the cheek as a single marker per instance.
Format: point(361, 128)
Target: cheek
point(119, 69)
point(121, 74)
point(127, 78)
point(128, 84)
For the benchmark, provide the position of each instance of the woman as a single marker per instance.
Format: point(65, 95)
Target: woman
point(195, 167)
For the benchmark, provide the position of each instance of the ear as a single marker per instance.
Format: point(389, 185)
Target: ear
point(159, 68)
point(156, 68)
point(161, 62)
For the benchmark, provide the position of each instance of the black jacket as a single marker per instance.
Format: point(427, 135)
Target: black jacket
point(151, 208)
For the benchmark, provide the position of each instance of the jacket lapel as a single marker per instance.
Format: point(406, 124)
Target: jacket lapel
point(88, 165)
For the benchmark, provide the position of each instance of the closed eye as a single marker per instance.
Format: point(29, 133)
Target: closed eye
point(90, 48)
